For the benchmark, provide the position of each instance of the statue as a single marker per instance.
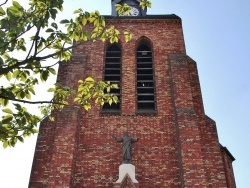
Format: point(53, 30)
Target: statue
point(127, 142)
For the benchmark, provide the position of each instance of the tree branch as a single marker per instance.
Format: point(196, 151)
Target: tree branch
point(42, 67)
point(4, 3)
point(46, 46)
point(14, 39)
point(33, 42)
point(20, 63)
point(32, 102)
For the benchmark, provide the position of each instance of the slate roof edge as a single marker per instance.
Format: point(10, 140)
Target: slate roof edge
point(228, 152)
point(162, 16)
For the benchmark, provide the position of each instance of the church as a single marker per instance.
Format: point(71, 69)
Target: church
point(157, 135)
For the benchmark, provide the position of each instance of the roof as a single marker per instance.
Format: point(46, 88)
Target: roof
point(118, 1)
point(227, 152)
point(162, 16)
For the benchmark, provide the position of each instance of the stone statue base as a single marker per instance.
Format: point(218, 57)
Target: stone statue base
point(126, 169)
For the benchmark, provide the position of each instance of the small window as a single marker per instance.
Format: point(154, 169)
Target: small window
point(145, 80)
point(112, 73)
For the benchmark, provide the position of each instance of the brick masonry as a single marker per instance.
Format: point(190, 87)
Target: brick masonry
point(178, 146)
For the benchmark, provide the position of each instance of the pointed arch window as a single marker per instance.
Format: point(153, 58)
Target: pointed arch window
point(112, 73)
point(145, 80)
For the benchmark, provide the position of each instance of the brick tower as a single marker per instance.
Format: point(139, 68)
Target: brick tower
point(160, 102)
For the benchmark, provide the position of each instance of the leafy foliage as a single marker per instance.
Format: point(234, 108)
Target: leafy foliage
point(89, 89)
point(45, 44)
point(145, 4)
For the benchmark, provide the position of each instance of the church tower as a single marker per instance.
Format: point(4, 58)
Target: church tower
point(160, 106)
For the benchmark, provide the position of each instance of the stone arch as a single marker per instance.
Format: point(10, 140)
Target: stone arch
point(144, 40)
point(145, 81)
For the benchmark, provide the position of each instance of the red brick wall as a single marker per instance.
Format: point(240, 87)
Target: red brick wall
point(174, 144)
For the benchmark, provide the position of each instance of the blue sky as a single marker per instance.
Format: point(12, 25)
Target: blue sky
point(217, 36)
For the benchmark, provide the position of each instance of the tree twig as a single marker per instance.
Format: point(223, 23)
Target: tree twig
point(32, 102)
point(4, 3)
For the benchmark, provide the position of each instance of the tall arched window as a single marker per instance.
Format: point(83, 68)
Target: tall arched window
point(113, 74)
point(145, 80)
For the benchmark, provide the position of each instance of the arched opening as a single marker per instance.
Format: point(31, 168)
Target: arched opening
point(112, 73)
point(145, 79)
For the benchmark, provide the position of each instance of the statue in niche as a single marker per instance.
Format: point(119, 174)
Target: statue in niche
point(127, 142)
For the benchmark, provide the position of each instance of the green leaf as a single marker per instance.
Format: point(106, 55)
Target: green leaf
point(24, 121)
point(77, 11)
point(27, 95)
point(102, 102)
point(2, 12)
point(89, 79)
point(86, 107)
point(115, 99)
point(11, 133)
point(22, 94)
point(84, 20)
point(13, 10)
point(80, 81)
point(110, 101)
point(5, 144)
point(7, 119)
point(7, 110)
point(128, 36)
point(49, 30)
point(145, 3)
point(112, 40)
point(1, 61)
point(51, 90)
point(64, 21)
point(6, 56)
point(40, 45)
point(115, 86)
point(51, 118)
point(23, 48)
point(17, 5)
point(53, 13)
point(35, 131)
point(23, 76)
point(44, 75)
point(13, 141)
point(18, 106)
point(8, 76)
point(20, 138)
point(32, 91)
point(77, 99)
point(52, 71)
point(108, 89)
point(16, 73)
point(5, 102)
point(2, 33)
point(54, 25)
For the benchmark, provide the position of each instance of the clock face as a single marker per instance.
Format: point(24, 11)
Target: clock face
point(134, 11)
